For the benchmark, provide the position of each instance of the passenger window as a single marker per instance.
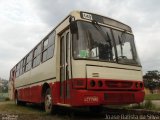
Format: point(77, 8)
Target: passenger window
point(28, 62)
point(37, 56)
point(44, 56)
point(51, 39)
point(18, 70)
point(45, 44)
point(50, 52)
point(48, 47)
point(17, 73)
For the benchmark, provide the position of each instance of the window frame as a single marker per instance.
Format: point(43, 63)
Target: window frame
point(27, 62)
point(38, 53)
point(50, 37)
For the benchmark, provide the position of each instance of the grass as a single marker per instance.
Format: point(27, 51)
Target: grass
point(33, 112)
point(11, 107)
point(148, 105)
point(152, 97)
point(28, 112)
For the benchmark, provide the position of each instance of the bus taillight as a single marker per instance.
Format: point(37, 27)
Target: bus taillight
point(79, 83)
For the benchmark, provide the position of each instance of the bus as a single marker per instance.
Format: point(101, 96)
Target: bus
point(87, 60)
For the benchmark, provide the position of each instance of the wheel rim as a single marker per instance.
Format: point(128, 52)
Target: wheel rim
point(48, 103)
point(16, 101)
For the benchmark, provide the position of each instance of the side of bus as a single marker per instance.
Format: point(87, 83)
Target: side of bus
point(40, 70)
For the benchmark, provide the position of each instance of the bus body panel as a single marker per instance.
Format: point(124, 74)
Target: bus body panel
point(105, 72)
point(104, 68)
point(89, 97)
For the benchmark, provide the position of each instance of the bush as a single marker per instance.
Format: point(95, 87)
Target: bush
point(146, 105)
point(149, 105)
point(7, 99)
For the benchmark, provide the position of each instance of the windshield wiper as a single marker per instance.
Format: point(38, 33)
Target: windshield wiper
point(105, 36)
point(98, 27)
point(121, 44)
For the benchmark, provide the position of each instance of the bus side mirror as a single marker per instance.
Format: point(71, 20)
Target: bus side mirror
point(73, 27)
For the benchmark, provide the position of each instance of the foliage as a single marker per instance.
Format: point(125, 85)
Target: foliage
point(3, 89)
point(3, 86)
point(145, 105)
point(3, 96)
point(152, 97)
point(152, 79)
point(149, 105)
point(7, 99)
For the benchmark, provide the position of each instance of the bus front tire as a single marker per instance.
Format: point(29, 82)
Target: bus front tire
point(48, 105)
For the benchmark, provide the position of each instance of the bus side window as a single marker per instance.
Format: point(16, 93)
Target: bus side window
point(21, 66)
point(13, 74)
point(18, 70)
point(44, 54)
point(37, 56)
point(48, 47)
point(29, 62)
point(24, 63)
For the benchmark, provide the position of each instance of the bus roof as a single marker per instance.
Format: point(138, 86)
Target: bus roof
point(101, 19)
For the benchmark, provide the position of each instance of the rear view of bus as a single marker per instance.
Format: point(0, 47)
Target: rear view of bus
point(105, 67)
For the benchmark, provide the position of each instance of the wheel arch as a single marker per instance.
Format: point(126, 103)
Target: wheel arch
point(45, 86)
point(15, 94)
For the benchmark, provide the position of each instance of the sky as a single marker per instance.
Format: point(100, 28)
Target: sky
point(23, 23)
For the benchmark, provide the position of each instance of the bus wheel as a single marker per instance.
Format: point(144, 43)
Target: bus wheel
point(17, 102)
point(48, 102)
point(96, 109)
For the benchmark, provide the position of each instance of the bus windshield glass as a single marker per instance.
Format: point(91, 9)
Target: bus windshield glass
point(95, 42)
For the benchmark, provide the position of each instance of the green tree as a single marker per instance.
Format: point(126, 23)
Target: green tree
point(152, 79)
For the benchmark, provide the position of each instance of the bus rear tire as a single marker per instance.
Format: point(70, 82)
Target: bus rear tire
point(18, 102)
point(48, 105)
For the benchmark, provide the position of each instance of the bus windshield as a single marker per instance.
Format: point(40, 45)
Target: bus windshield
point(95, 42)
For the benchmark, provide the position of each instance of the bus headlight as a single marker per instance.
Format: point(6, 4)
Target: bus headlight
point(100, 83)
point(137, 85)
point(92, 83)
point(141, 85)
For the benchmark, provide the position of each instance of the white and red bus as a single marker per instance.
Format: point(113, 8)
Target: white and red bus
point(86, 60)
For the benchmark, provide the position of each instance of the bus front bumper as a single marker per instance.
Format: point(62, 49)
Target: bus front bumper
point(94, 98)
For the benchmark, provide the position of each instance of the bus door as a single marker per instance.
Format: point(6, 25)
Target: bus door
point(65, 72)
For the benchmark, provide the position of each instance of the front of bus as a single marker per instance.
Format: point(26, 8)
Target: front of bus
point(105, 66)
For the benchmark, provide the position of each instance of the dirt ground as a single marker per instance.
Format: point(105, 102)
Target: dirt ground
point(10, 111)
